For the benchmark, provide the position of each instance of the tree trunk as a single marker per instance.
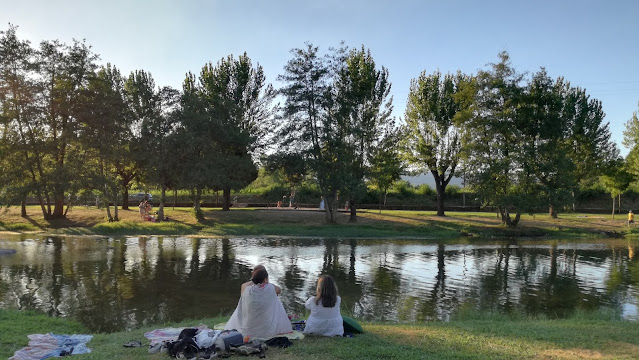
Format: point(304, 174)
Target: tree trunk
point(353, 208)
point(108, 208)
point(23, 207)
point(619, 205)
point(506, 219)
point(380, 201)
point(329, 205)
point(196, 204)
point(125, 197)
point(440, 186)
point(115, 207)
point(162, 200)
point(58, 210)
point(551, 212)
point(440, 201)
point(613, 207)
point(174, 198)
point(385, 195)
point(43, 207)
point(226, 199)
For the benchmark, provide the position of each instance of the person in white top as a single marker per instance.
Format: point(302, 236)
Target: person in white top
point(259, 313)
point(325, 317)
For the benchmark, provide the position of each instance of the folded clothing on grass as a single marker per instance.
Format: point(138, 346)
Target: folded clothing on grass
point(43, 346)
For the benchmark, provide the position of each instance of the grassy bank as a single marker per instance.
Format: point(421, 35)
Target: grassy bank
point(310, 222)
point(585, 336)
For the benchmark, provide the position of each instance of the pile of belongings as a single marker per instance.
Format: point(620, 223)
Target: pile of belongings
point(44, 346)
point(202, 343)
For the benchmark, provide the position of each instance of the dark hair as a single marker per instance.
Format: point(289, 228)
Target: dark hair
point(326, 291)
point(259, 275)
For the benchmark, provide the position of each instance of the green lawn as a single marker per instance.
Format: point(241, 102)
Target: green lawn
point(585, 336)
point(289, 222)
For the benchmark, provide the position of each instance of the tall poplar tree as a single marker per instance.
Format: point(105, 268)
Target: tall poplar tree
point(104, 132)
point(20, 118)
point(433, 140)
point(306, 127)
point(494, 158)
point(237, 96)
point(362, 118)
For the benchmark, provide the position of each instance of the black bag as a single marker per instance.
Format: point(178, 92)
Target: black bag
point(184, 345)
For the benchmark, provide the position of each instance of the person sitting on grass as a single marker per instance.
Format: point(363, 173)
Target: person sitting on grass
point(142, 207)
point(325, 318)
point(631, 218)
point(259, 313)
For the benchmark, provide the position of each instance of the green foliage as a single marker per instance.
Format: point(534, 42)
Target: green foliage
point(617, 179)
point(425, 190)
point(403, 189)
point(530, 146)
point(223, 117)
point(291, 166)
point(453, 190)
point(337, 113)
point(631, 141)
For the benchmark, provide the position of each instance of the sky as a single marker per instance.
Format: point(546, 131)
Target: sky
point(592, 44)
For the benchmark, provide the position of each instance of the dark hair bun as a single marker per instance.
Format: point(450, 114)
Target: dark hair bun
point(259, 276)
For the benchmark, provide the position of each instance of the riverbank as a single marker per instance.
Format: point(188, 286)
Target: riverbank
point(310, 222)
point(470, 336)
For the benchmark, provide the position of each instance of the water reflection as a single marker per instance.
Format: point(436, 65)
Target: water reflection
point(111, 284)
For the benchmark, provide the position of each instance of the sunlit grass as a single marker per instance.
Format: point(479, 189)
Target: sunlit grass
point(311, 222)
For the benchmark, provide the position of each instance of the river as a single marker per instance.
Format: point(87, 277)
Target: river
point(111, 284)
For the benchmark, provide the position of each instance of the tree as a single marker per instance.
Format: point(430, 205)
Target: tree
point(291, 165)
point(160, 140)
point(104, 129)
point(631, 142)
point(530, 145)
point(305, 128)
point(362, 117)
point(432, 139)
point(494, 157)
point(589, 146)
point(545, 134)
point(236, 94)
point(196, 134)
point(386, 165)
point(223, 118)
point(616, 181)
point(335, 113)
point(65, 72)
point(20, 146)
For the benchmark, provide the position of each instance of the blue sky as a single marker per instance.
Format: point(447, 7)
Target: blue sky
point(593, 44)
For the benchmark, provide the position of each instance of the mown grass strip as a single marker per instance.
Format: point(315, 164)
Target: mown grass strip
point(598, 335)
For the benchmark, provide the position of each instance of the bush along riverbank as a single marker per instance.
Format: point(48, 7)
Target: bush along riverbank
point(311, 222)
point(472, 335)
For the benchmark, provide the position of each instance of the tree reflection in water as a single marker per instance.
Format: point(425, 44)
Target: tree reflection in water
point(110, 284)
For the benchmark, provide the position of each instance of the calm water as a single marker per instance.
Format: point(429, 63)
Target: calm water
point(117, 283)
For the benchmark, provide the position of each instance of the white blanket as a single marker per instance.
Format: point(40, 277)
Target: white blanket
point(259, 313)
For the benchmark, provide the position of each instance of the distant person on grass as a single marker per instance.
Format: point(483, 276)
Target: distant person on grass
point(325, 318)
point(631, 218)
point(142, 207)
point(291, 199)
point(259, 313)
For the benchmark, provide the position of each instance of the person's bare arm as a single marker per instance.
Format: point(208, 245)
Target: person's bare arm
point(244, 286)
